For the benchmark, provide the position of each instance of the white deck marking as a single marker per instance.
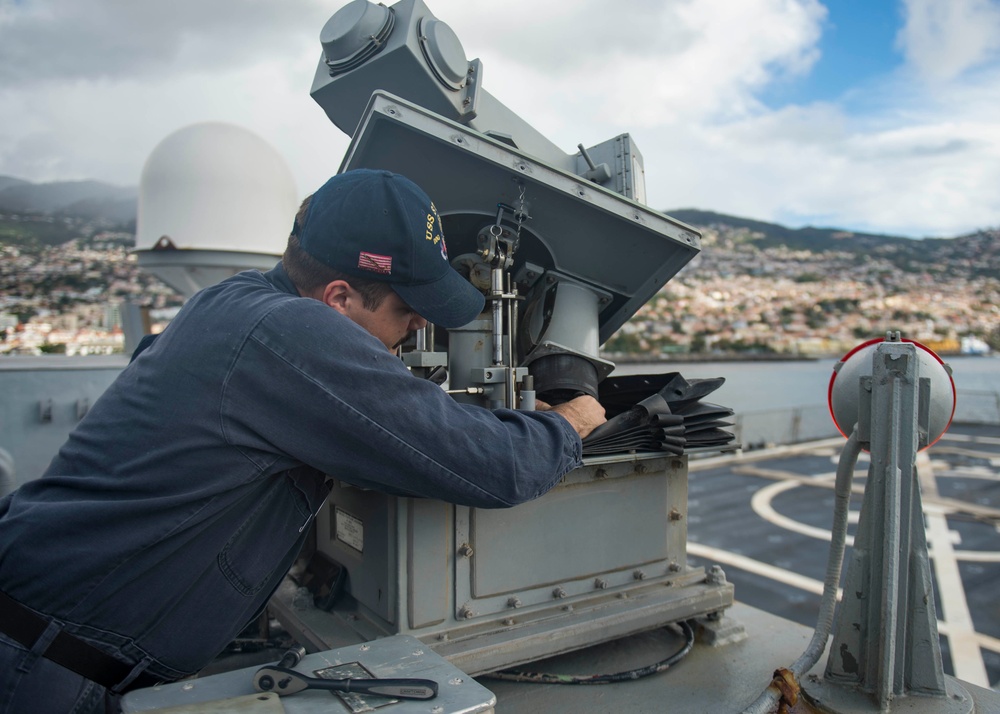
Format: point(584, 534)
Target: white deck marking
point(966, 658)
point(802, 582)
point(756, 567)
point(967, 439)
point(761, 505)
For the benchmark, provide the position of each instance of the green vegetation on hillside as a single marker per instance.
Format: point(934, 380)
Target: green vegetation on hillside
point(34, 233)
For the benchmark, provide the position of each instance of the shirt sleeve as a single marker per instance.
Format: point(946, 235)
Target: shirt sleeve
point(312, 385)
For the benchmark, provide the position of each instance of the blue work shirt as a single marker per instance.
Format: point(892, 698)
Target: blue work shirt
point(177, 505)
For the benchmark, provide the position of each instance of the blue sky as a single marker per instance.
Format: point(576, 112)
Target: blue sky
point(857, 45)
point(877, 116)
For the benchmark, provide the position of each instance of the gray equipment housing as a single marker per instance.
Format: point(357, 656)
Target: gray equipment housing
point(565, 255)
point(600, 556)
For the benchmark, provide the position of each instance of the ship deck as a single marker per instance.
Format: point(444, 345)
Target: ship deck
point(764, 516)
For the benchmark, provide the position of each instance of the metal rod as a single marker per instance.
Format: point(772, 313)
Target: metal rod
point(496, 293)
point(890, 551)
point(510, 386)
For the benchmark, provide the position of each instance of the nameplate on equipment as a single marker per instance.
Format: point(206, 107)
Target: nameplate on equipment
point(350, 530)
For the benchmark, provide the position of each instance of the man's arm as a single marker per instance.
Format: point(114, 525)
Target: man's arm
point(312, 385)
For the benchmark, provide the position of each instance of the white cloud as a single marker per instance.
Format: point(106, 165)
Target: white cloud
point(943, 39)
point(62, 40)
point(89, 87)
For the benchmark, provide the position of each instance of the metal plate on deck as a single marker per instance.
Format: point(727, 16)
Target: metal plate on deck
point(260, 703)
point(400, 656)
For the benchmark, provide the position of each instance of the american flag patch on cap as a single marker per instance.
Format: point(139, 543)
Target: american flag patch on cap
point(375, 263)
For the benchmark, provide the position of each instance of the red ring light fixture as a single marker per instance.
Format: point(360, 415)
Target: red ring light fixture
point(843, 393)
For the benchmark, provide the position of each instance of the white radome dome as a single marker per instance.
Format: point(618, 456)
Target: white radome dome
point(214, 199)
point(216, 186)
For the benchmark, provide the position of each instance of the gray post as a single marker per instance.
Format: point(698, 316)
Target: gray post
point(885, 644)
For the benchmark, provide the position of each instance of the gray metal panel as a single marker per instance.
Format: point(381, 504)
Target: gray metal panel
point(624, 162)
point(428, 573)
point(576, 227)
point(43, 400)
point(578, 532)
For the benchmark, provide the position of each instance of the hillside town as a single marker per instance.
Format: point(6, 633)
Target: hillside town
point(71, 298)
point(737, 298)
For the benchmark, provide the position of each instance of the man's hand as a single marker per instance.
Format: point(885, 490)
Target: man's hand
point(583, 413)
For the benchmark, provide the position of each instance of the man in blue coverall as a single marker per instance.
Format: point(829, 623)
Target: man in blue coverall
point(177, 505)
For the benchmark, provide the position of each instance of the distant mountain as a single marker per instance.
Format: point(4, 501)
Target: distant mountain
point(973, 255)
point(774, 235)
point(6, 181)
point(97, 201)
point(77, 199)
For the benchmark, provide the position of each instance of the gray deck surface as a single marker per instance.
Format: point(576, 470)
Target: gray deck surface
point(757, 546)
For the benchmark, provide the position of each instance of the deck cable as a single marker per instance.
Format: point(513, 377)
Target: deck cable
point(513, 675)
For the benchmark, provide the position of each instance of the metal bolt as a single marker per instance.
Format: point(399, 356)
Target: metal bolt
point(716, 576)
point(674, 568)
point(513, 601)
point(640, 468)
point(639, 575)
point(600, 584)
point(567, 608)
point(466, 102)
point(559, 593)
point(508, 621)
point(600, 473)
point(465, 550)
point(675, 515)
point(465, 612)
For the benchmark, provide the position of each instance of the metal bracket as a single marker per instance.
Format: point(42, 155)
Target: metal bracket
point(473, 81)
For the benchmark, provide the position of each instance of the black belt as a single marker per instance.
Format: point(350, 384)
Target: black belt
point(25, 626)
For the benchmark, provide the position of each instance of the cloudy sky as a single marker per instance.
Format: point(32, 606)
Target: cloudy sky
point(881, 116)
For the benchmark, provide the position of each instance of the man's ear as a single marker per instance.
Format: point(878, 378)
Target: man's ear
point(338, 295)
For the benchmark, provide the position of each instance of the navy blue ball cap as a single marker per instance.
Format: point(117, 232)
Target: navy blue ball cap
point(381, 226)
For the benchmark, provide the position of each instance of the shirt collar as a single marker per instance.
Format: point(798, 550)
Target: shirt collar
point(279, 279)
